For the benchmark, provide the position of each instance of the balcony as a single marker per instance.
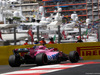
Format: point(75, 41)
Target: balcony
point(69, 10)
point(27, 4)
point(89, 8)
point(89, 14)
point(78, 15)
point(89, 2)
point(95, 13)
point(65, 4)
point(27, 9)
point(96, 17)
point(90, 17)
point(95, 10)
point(95, 1)
point(73, 8)
point(95, 7)
point(28, 15)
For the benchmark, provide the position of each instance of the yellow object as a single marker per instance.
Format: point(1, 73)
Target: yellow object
point(6, 51)
point(33, 16)
point(89, 51)
point(70, 19)
point(66, 16)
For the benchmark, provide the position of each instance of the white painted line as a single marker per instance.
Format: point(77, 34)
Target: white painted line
point(31, 70)
point(28, 72)
point(56, 66)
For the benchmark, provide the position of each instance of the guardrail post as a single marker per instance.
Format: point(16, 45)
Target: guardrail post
point(38, 33)
point(80, 30)
point(98, 33)
point(59, 34)
point(14, 35)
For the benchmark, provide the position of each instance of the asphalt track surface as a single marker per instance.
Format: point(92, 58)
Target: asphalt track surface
point(90, 67)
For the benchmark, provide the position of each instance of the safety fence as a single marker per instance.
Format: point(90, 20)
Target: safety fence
point(89, 51)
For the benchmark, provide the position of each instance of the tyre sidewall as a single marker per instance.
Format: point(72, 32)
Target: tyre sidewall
point(74, 56)
point(14, 61)
point(41, 59)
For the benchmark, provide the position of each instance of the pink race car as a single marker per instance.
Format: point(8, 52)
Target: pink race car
point(40, 55)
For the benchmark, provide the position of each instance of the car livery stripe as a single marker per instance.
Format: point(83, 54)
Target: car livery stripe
point(52, 57)
point(47, 69)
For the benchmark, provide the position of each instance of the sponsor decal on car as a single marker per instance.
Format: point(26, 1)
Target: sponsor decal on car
point(52, 57)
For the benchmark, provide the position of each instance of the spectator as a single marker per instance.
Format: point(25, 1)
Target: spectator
point(26, 42)
point(79, 39)
point(43, 42)
point(36, 41)
point(51, 40)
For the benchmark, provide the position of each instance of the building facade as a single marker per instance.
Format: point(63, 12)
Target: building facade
point(28, 8)
point(93, 9)
point(84, 8)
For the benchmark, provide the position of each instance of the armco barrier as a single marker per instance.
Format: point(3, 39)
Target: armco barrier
point(89, 51)
point(6, 51)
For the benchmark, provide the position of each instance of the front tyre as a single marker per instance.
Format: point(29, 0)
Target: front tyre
point(74, 56)
point(14, 61)
point(41, 59)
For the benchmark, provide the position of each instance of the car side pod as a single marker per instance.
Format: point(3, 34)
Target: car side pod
point(41, 59)
point(74, 57)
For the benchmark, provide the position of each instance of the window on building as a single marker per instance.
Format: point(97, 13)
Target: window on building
point(25, 7)
point(31, 7)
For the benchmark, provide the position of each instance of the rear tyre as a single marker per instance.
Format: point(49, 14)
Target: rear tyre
point(14, 61)
point(41, 59)
point(74, 56)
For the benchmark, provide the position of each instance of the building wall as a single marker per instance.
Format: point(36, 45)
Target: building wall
point(84, 8)
point(93, 9)
point(68, 7)
point(29, 1)
point(28, 8)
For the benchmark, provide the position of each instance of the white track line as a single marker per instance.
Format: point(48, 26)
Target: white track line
point(46, 69)
point(56, 66)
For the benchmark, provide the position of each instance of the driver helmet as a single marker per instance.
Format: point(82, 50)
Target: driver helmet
point(35, 40)
point(41, 47)
point(42, 38)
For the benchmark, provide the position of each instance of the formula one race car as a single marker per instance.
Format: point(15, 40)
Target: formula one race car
point(40, 55)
